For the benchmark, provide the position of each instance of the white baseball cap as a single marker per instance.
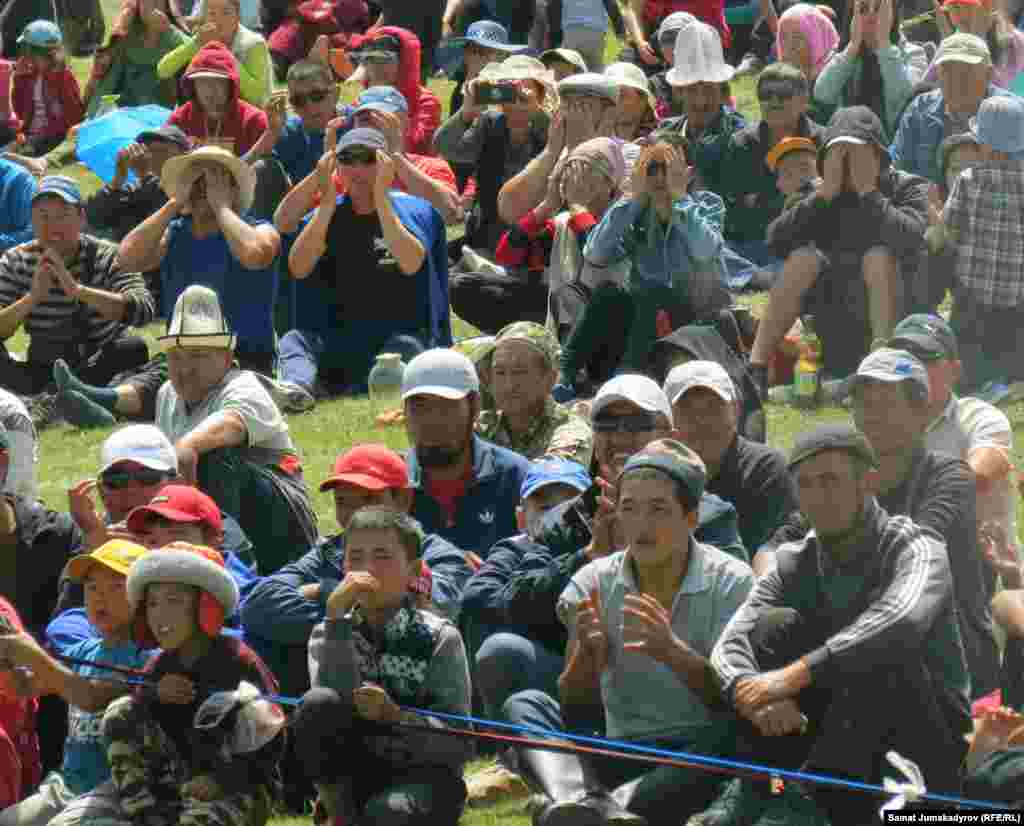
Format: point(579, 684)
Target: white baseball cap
point(440, 372)
point(144, 444)
point(707, 374)
point(634, 388)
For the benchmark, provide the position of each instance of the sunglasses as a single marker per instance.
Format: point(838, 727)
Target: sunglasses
point(317, 96)
point(357, 156)
point(634, 423)
point(118, 479)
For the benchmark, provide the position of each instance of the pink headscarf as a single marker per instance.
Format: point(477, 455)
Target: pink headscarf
point(605, 155)
point(820, 32)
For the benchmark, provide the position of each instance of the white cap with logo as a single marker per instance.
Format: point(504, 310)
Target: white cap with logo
point(144, 444)
point(707, 374)
point(440, 372)
point(636, 389)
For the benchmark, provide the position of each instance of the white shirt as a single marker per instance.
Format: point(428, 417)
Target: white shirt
point(967, 425)
point(23, 446)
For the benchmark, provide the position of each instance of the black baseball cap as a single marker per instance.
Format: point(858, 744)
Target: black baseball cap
point(167, 134)
point(838, 436)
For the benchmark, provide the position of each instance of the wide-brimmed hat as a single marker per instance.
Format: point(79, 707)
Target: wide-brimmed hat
point(631, 75)
point(173, 175)
point(198, 321)
point(523, 67)
point(698, 57)
point(490, 35)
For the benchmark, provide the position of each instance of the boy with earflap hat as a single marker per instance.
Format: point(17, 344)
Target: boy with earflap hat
point(168, 761)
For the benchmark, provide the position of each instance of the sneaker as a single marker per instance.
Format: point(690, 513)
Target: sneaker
point(750, 65)
point(794, 807)
point(493, 784)
point(739, 803)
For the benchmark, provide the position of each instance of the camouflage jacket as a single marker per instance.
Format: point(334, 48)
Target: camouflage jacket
point(557, 432)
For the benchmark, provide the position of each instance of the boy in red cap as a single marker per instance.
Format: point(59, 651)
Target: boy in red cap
point(282, 609)
point(164, 769)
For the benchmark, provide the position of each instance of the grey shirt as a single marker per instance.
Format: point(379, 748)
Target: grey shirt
point(642, 697)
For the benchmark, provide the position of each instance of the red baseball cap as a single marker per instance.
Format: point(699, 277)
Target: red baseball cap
point(373, 467)
point(179, 503)
point(315, 11)
point(979, 3)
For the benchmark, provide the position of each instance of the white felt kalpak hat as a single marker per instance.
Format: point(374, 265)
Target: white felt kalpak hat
point(698, 57)
point(198, 321)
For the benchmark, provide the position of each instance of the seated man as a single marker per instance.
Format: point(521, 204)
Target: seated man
point(639, 648)
point(229, 436)
point(394, 242)
point(864, 600)
point(965, 80)
point(214, 111)
point(385, 109)
point(526, 419)
point(282, 609)
point(390, 56)
point(750, 476)
point(862, 219)
point(121, 206)
point(752, 197)
point(71, 295)
point(968, 428)
point(17, 186)
point(466, 489)
point(412, 778)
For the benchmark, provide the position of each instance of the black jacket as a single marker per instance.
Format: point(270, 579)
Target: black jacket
point(119, 211)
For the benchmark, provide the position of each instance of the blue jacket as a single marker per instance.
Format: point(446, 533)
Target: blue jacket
point(519, 584)
point(915, 148)
point(487, 512)
point(17, 186)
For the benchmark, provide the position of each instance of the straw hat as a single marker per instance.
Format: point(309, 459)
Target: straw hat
point(524, 67)
point(175, 170)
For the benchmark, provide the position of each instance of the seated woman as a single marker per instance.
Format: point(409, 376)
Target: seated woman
point(498, 140)
point(807, 39)
point(142, 34)
point(376, 650)
point(875, 69)
point(221, 22)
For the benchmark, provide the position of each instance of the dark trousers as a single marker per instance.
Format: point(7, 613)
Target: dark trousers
point(490, 301)
point(990, 340)
point(330, 743)
point(27, 378)
point(856, 719)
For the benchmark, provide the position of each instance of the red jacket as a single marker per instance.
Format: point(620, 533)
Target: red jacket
point(243, 123)
point(424, 106)
point(711, 12)
point(60, 91)
point(20, 769)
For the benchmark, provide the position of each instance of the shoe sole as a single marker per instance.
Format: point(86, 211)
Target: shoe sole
point(569, 814)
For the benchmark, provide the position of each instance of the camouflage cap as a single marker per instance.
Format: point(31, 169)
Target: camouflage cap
point(476, 349)
point(929, 337)
point(675, 460)
point(536, 335)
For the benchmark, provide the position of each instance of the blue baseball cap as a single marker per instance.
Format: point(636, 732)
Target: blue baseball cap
point(489, 35)
point(381, 99)
point(41, 34)
point(362, 136)
point(62, 186)
point(1000, 124)
point(554, 472)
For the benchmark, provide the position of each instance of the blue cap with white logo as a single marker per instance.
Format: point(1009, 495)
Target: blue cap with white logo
point(889, 365)
point(41, 34)
point(381, 99)
point(554, 472)
point(61, 186)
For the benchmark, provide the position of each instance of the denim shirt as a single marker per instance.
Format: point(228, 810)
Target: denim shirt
point(662, 254)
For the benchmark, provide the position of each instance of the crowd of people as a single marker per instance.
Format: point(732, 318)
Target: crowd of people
point(589, 532)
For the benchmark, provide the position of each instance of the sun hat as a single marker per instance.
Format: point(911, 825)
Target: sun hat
point(174, 174)
point(963, 47)
point(570, 56)
point(197, 321)
point(182, 563)
point(1000, 124)
point(488, 34)
point(634, 388)
point(440, 372)
point(698, 57)
point(591, 84)
point(144, 444)
point(631, 75)
point(523, 67)
point(371, 467)
point(117, 555)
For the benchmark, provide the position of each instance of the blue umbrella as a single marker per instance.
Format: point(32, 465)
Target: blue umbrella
point(100, 139)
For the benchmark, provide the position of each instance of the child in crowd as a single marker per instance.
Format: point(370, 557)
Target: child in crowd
point(165, 770)
point(19, 744)
point(46, 95)
point(103, 573)
point(795, 164)
point(377, 651)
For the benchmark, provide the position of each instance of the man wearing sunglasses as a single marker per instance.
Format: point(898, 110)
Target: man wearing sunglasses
point(751, 197)
point(380, 271)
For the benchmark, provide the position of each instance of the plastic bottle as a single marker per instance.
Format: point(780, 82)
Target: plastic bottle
point(385, 382)
point(807, 374)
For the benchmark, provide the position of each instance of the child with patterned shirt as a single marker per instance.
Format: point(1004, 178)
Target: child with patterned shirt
point(376, 651)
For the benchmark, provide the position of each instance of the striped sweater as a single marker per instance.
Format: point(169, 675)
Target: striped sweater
point(61, 322)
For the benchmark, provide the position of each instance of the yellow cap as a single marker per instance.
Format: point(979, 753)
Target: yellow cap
point(116, 555)
point(787, 145)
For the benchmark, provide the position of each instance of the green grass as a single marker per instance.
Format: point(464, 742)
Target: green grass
point(68, 455)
